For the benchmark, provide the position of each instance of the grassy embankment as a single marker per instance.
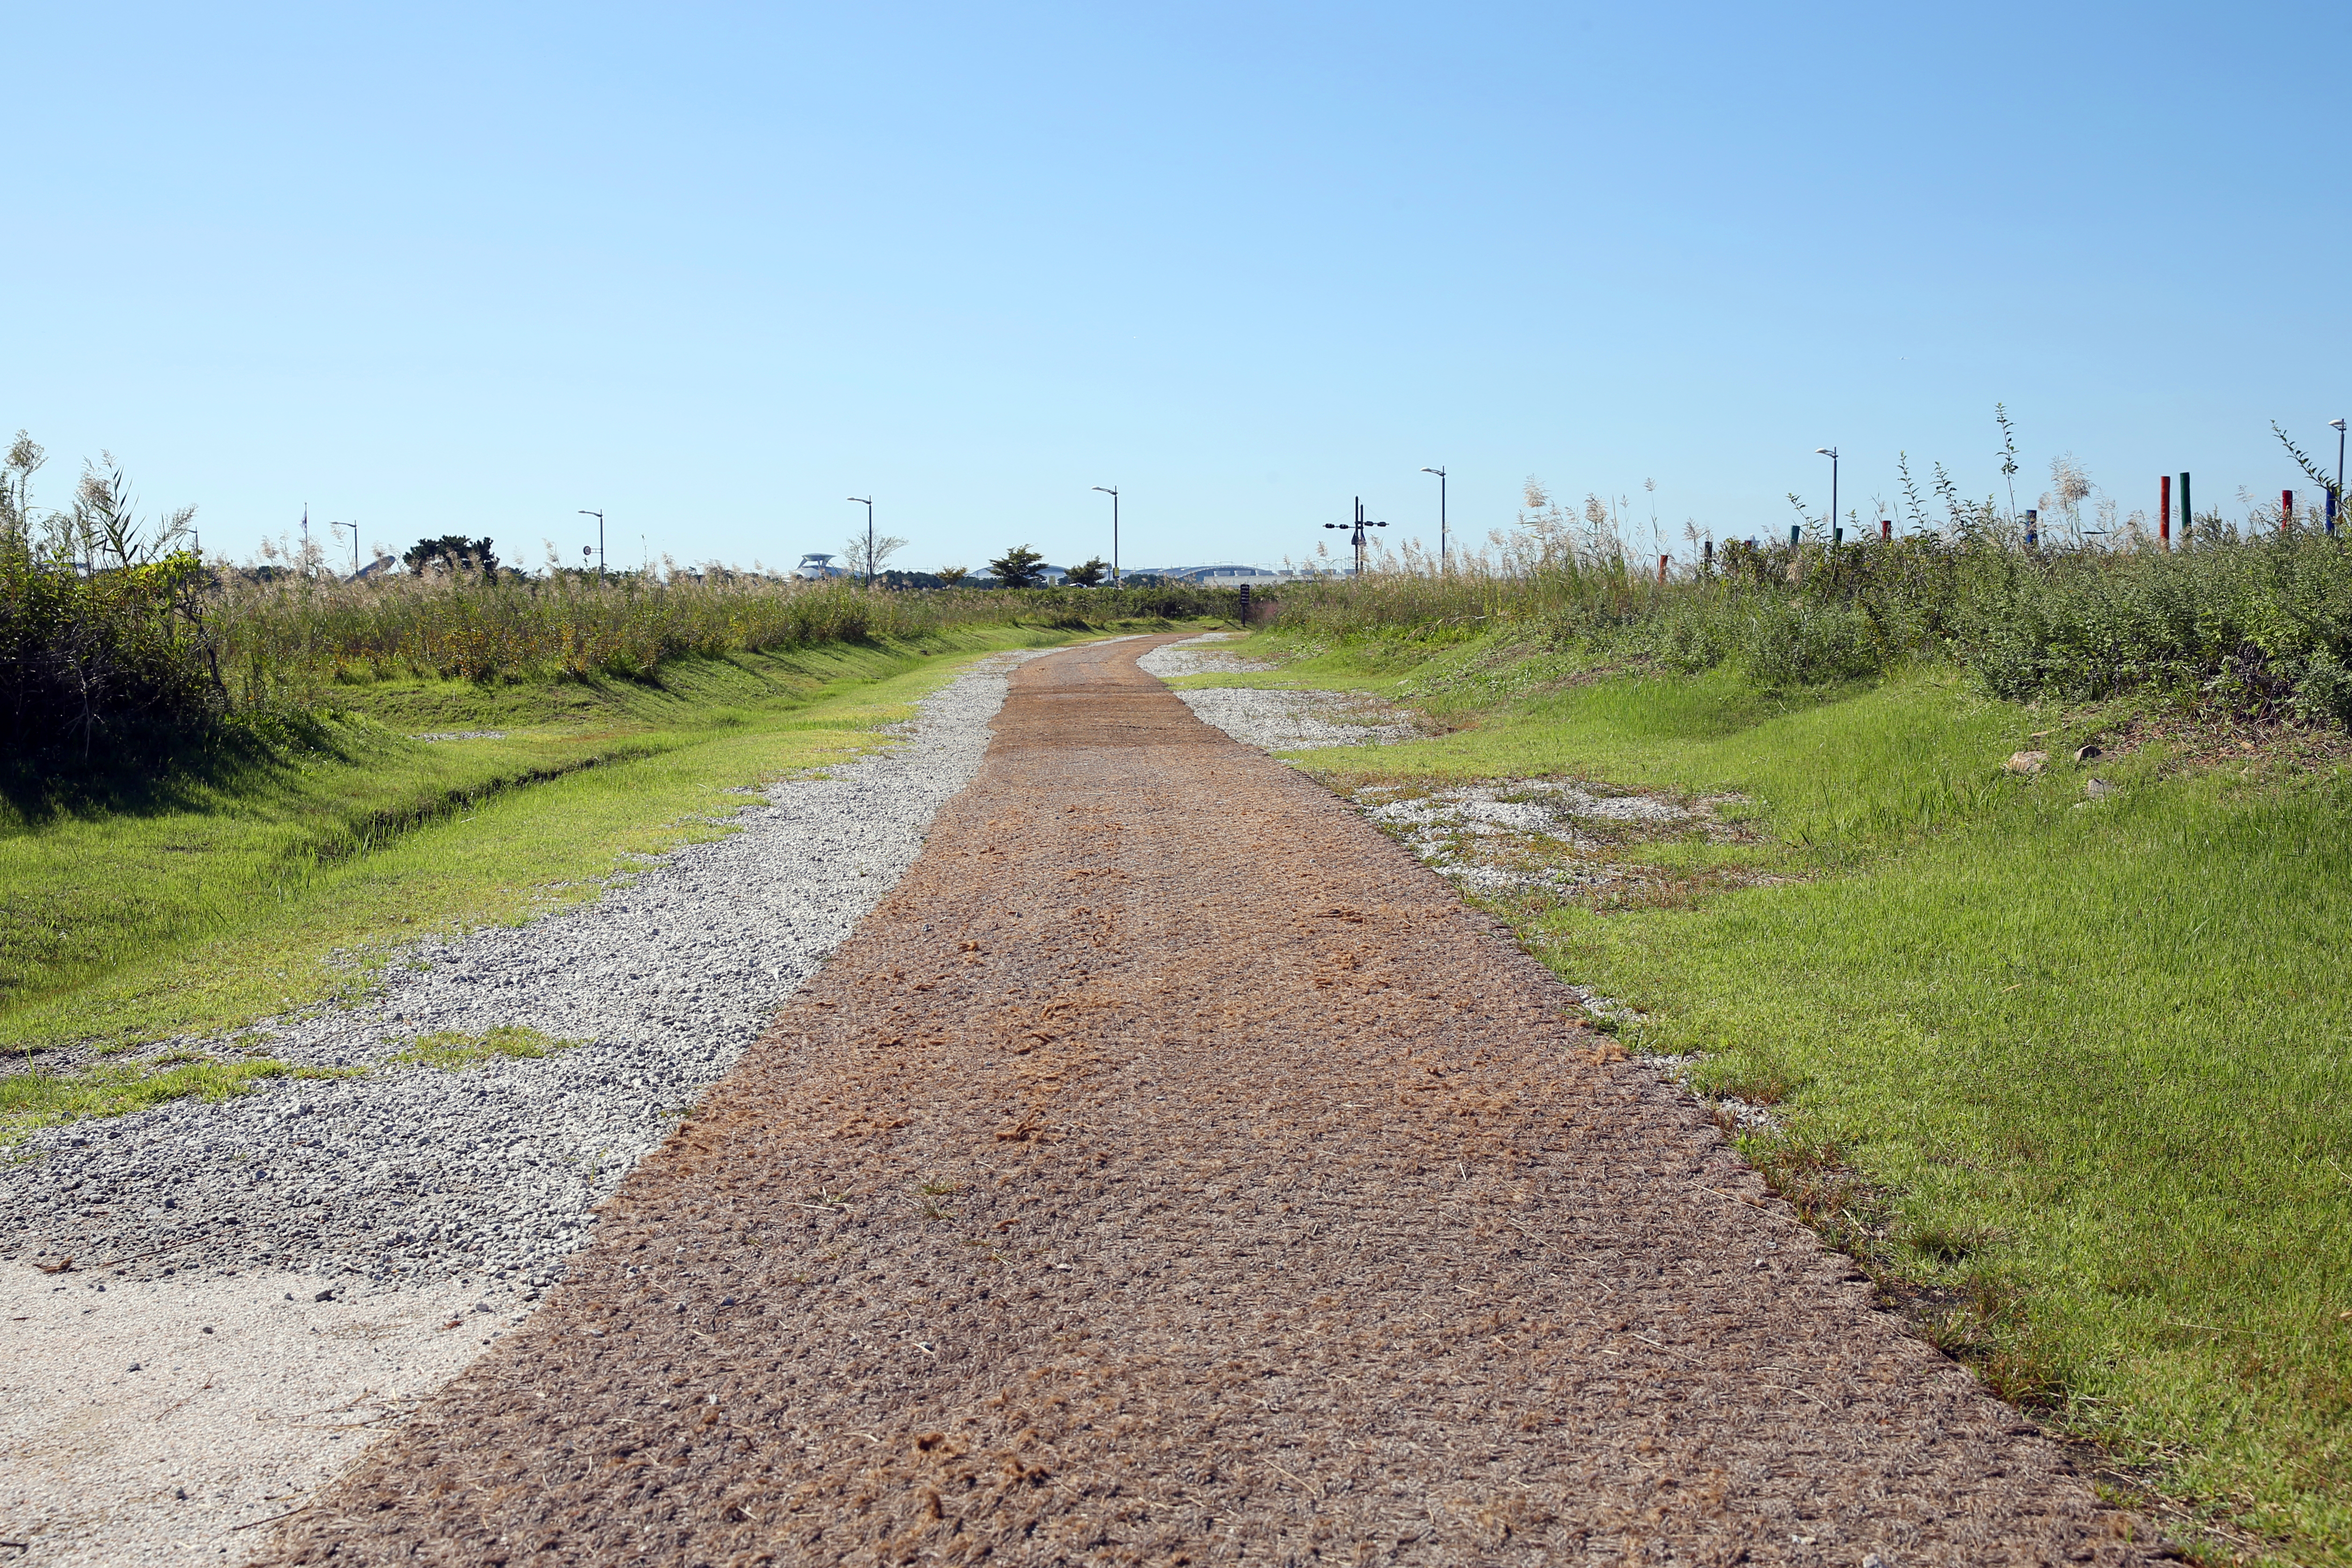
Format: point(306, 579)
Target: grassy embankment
point(272, 878)
point(2073, 1080)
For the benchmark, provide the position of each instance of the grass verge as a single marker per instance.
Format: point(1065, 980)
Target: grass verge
point(2069, 1075)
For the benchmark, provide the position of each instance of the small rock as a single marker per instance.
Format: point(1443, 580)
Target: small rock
point(1872, 1560)
point(2026, 762)
point(2099, 789)
point(134, 1366)
point(2084, 753)
point(179, 1492)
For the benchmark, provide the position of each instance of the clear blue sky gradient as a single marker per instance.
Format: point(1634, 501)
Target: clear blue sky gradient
point(714, 267)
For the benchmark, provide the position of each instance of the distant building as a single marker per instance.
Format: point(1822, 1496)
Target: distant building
point(813, 567)
point(376, 568)
point(1227, 575)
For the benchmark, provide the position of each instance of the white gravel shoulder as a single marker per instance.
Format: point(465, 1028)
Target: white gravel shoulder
point(1271, 721)
point(396, 1200)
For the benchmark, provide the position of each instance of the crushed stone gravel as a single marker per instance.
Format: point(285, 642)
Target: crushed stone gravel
point(1272, 719)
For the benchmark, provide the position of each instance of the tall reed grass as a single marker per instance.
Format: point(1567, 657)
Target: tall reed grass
point(470, 626)
point(2261, 621)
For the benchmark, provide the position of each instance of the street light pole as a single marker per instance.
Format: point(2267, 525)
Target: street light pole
point(867, 502)
point(600, 539)
point(1441, 515)
point(1831, 453)
point(2335, 497)
point(1361, 523)
point(1112, 491)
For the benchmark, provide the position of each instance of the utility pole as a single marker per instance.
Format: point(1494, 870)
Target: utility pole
point(1441, 515)
point(600, 539)
point(1112, 491)
point(867, 502)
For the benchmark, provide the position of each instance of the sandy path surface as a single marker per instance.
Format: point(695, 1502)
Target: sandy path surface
point(169, 1421)
point(1171, 1170)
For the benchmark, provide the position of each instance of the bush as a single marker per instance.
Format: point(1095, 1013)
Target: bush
point(86, 654)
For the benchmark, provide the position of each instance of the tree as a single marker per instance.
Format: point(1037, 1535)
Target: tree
point(953, 576)
point(1019, 567)
point(1089, 576)
point(453, 551)
point(853, 554)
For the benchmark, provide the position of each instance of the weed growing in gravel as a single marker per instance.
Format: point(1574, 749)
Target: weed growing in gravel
point(451, 1050)
point(30, 1100)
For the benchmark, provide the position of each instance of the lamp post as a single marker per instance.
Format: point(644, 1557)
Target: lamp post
point(2337, 426)
point(354, 527)
point(1831, 454)
point(867, 502)
point(1441, 515)
point(1112, 491)
point(1362, 523)
point(600, 541)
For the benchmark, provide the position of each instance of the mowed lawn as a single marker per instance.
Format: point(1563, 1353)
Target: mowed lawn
point(2074, 1077)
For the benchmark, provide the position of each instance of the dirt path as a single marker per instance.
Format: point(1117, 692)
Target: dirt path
point(1171, 1171)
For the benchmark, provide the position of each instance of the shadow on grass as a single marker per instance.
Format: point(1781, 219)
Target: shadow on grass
point(152, 770)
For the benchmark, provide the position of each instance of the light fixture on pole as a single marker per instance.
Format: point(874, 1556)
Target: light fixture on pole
point(867, 502)
point(600, 541)
point(354, 527)
point(1361, 523)
point(1112, 491)
point(1831, 454)
point(1441, 515)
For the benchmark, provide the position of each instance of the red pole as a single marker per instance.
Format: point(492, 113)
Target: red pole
point(1661, 569)
point(2287, 509)
point(2164, 510)
point(1886, 528)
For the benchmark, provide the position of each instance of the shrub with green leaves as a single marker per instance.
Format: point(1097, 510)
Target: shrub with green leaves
point(85, 654)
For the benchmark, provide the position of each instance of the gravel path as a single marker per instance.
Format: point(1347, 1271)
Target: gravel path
point(1172, 1170)
point(390, 1202)
point(1272, 719)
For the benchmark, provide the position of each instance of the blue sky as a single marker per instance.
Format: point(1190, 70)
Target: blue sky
point(712, 268)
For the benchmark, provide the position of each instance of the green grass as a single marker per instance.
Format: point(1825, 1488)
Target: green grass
point(2074, 1079)
point(213, 899)
point(114, 1088)
point(452, 1050)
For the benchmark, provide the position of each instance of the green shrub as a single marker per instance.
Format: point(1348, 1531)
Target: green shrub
point(85, 654)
